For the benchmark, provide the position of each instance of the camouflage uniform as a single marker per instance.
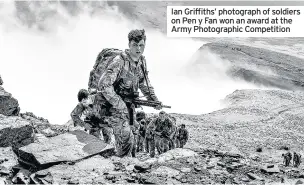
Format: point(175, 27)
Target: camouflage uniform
point(123, 78)
point(182, 137)
point(91, 112)
point(162, 130)
point(135, 131)
point(141, 135)
point(149, 139)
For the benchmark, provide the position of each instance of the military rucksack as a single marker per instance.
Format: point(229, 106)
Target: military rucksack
point(104, 58)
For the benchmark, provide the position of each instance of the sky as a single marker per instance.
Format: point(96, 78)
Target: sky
point(44, 70)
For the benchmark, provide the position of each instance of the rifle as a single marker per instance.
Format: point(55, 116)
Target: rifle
point(134, 98)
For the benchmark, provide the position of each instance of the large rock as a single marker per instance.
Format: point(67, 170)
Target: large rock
point(9, 106)
point(87, 171)
point(68, 147)
point(15, 131)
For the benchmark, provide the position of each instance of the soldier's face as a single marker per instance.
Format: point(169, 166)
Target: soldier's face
point(137, 49)
point(162, 117)
point(87, 102)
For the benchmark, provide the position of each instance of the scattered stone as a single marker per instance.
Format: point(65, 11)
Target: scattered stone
point(8, 160)
point(259, 149)
point(22, 177)
point(210, 167)
point(198, 169)
point(83, 172)
point(15, 132)
point(3, 181)
point(142, 167)
point(254, 177)
point(186, 170)
point(221, 164)
point(271, 170)
point(165, 171)
point(71, 146)
point(9, 106)
point(176, 154)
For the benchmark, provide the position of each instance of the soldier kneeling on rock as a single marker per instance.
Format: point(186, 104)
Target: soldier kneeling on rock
point(296, 159)
point(92, 120)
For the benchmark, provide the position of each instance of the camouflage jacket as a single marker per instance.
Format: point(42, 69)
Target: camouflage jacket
point(81, 111)
point(163, 128)
point(124, 76)
point(183, 134)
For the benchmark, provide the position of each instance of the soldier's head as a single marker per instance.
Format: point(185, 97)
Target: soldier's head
point(137, 42)
point(162, 115)
point(83, 97)
point(140, 115)
point(183, 126)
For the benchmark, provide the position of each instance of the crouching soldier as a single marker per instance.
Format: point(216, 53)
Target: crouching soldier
point(92, 120)
point(182, 136)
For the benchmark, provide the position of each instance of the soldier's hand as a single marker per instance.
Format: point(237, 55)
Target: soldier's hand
point(87, 126)
point(158, 107)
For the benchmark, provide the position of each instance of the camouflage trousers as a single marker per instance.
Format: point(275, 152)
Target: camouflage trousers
point(106, 133)
point(119, 120)
point(134, 148)
point(150, 146)
point(181, 143)
point(140, 143)
point(161, 144)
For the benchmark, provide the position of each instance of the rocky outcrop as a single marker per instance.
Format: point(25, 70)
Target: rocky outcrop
point(9, 106)
point(68, 147)
point(255, 65)
point(15, 131)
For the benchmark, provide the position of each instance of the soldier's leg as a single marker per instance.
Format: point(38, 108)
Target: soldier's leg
point(158, 144)
point(165, 143)
point(122, 131)
point(134, 148)
point(151, 147)
point(147, 142)
point(95, 132)
point(106, 133)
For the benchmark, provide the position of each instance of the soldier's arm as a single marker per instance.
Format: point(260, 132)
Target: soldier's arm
point(145, 85)
point(106, 82)
point(76, 114)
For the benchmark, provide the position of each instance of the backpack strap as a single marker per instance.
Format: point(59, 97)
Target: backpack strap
point(144, 72)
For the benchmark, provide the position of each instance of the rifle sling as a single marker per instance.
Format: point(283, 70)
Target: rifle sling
point(144, 72)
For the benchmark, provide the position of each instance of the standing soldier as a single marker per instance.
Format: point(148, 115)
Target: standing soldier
point(287, 158)
point(296, 159)
point(162, 130)
point(149, 138)
point(141, 119)
point(182, 136)
point(121, 80)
